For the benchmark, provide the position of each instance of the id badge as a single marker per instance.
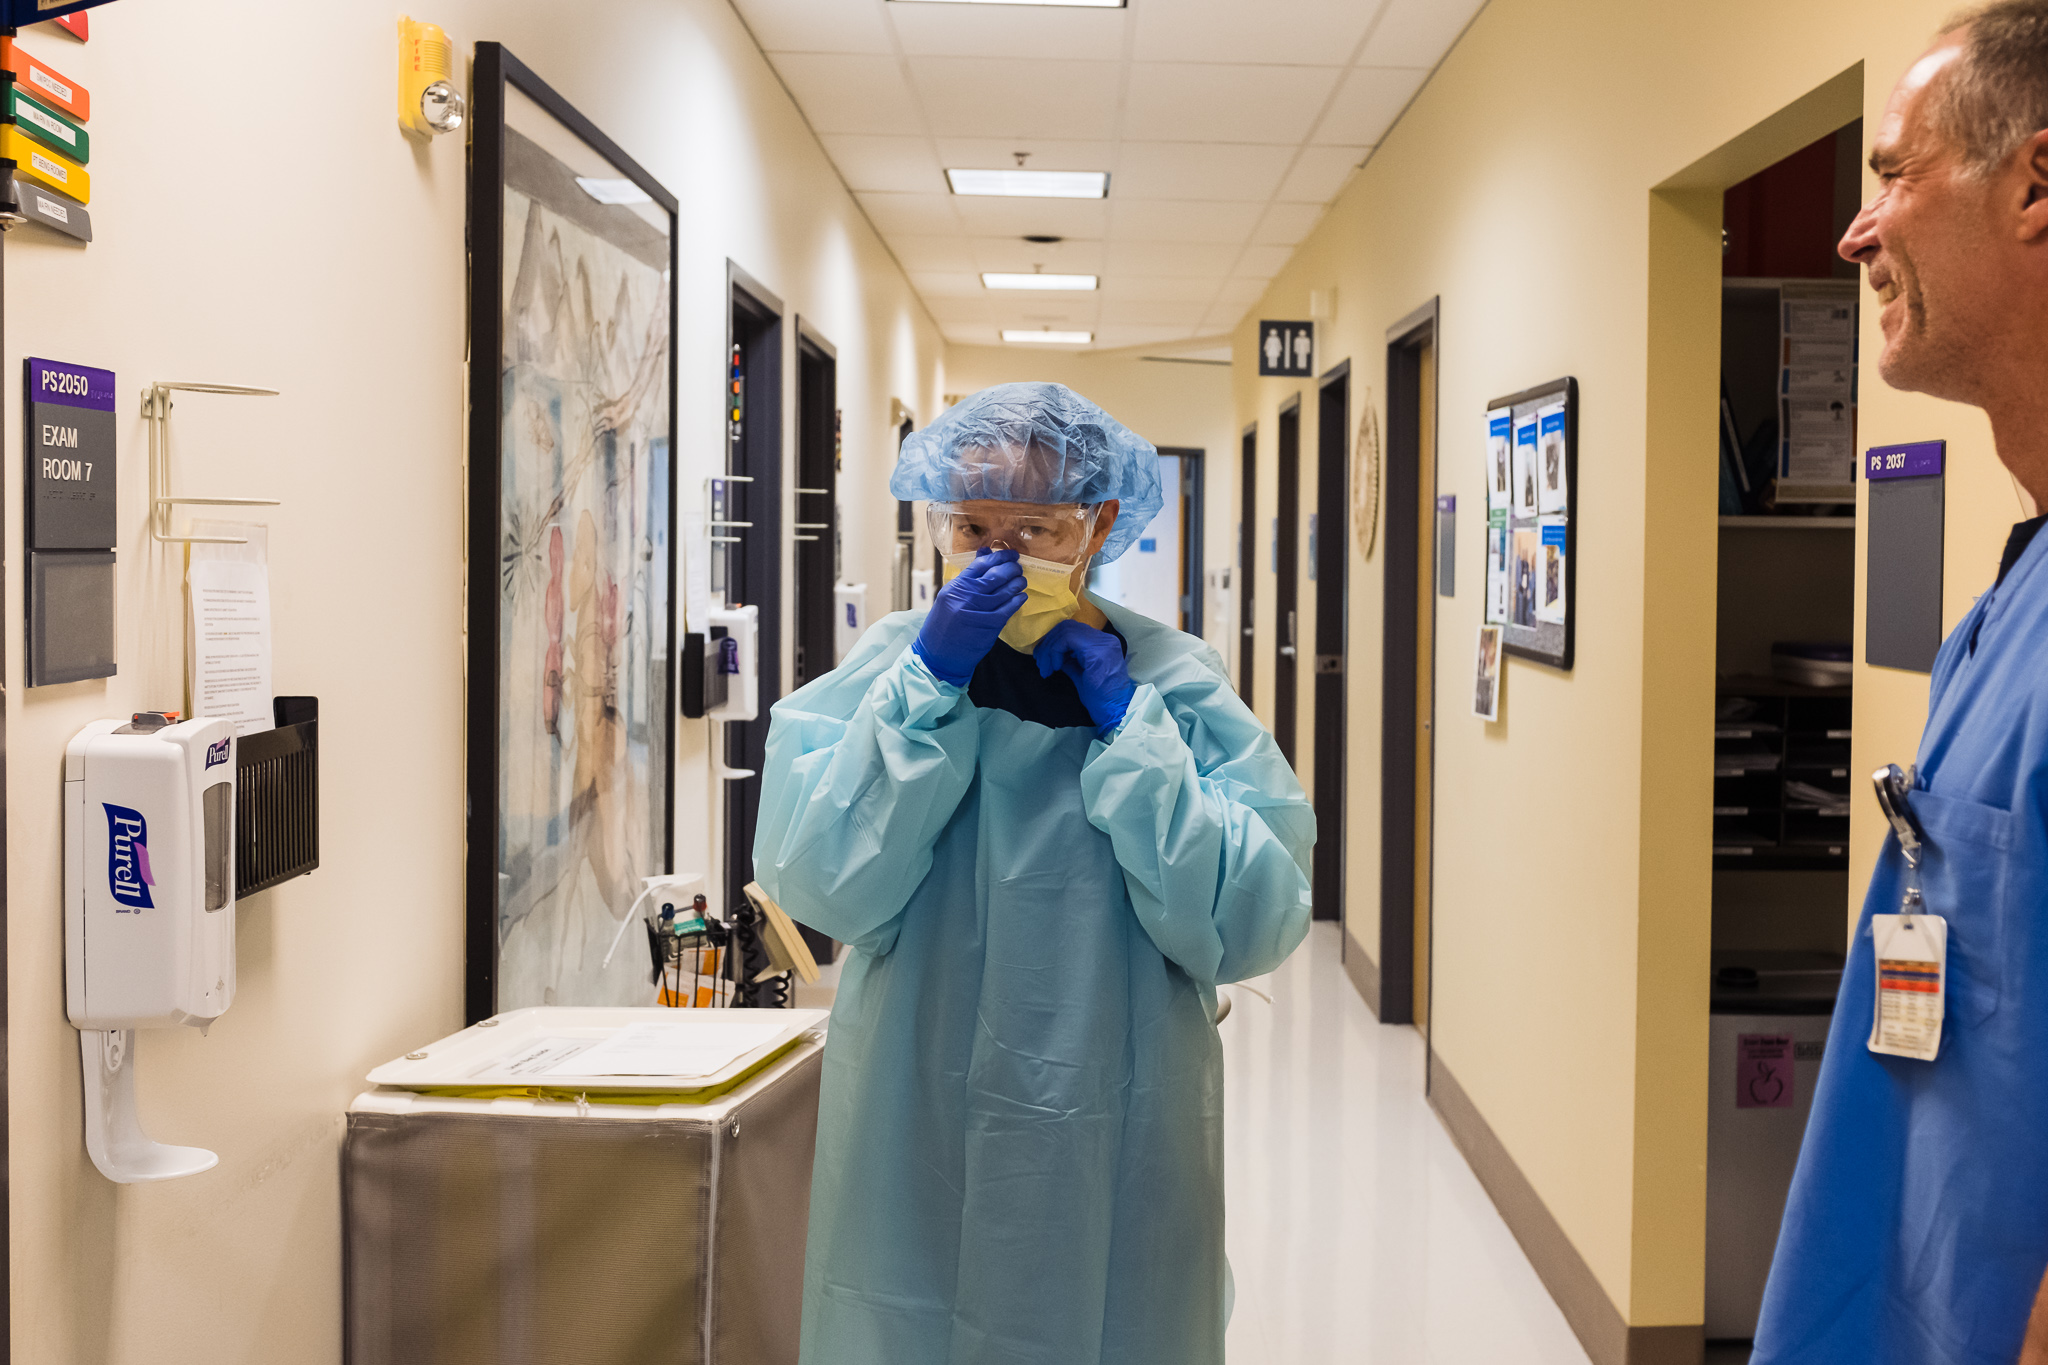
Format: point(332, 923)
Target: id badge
point(1912, 984)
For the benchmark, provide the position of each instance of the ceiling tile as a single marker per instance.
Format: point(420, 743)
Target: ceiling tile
point(1005, 31)
point(1168, 258)
point(1371, 98)
point(1122, 312)
point(1319, 172)
point(1046, 154)
point(994, 97)
point(1198, 170)
point(1109, 338)
point(1297, 31)
point(1262, 260)
point(1003, 217)
point(816, 25)
point(1174, 102)
point(1287, 224)
point(1241, 291)
point(850, 94)
point(938, 285)
point(946, 254)
point(945, 309)
point(902, 165)
point(910, 214)
point(1167, 220)
point(1418, 32)
point(1224, 317)
point(1161, 289)
point(1012, 253)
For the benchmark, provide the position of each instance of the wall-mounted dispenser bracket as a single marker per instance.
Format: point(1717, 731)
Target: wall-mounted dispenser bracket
point(156, 410)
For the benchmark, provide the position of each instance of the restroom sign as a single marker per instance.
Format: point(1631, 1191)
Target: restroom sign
point(1287, 349)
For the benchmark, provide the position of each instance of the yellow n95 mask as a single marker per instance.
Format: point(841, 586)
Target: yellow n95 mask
point(1049, 598)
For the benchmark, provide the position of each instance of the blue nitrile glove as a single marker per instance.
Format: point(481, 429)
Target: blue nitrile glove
point(968, 614)
point(1094, 659)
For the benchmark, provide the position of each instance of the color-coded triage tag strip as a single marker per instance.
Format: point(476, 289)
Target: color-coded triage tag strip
point(1912, 984)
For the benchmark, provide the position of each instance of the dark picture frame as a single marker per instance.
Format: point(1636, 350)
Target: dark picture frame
point(1523, 635)
point(508, 546)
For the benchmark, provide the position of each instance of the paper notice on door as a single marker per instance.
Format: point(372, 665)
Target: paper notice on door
point(227, 626)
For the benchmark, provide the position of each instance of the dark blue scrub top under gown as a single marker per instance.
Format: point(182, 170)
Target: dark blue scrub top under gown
point(1917, 1228)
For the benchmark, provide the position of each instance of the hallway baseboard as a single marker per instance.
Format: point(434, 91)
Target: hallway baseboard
point(1364, 974)
point(1601, 1329)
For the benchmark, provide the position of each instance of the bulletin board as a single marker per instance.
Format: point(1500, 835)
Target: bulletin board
point(572, 517)
point(1532, 512)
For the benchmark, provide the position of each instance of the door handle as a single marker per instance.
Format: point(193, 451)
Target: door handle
point(1287, 651)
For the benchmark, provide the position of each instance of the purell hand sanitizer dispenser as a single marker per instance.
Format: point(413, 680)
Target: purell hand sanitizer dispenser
point(149, 913)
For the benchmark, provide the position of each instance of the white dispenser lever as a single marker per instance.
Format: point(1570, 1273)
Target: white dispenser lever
point(149, 913)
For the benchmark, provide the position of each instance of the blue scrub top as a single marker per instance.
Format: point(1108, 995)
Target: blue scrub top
point(1917, 1228)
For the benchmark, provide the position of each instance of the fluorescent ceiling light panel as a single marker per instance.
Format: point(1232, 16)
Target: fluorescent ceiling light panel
point(614, 191)
point(1049, 338)
point(993, 279)
point(1061, 4)
point(1029, 184)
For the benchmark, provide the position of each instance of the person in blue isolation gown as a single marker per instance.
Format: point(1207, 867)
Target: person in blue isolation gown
point(1047, 828)
point(1916, 1232)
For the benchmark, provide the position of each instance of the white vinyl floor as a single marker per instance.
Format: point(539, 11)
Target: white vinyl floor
point(1357, 1234)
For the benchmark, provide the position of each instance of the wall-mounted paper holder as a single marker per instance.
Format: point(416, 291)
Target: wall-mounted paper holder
point(156, 410)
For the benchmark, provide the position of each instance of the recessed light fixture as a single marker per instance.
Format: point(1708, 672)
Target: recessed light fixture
point(1030, 184)
point(995, 279)
point(1058, 4)
point(1049, 338)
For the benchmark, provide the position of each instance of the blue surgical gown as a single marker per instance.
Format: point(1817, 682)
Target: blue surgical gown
point(1021, 1127)
point(1917, 1228)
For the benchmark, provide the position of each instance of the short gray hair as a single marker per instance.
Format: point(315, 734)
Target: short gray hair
point(1994, 96)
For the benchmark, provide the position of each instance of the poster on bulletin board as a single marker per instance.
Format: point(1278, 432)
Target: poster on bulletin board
point(1532, 496)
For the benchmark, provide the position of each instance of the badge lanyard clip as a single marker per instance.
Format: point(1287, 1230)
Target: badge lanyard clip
point(1893, 798)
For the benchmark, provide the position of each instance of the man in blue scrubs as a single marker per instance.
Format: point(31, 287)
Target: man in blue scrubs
point(1917, 1228)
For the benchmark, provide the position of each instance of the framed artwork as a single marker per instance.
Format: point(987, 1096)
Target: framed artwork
point(1532, 480)
point(572, 571)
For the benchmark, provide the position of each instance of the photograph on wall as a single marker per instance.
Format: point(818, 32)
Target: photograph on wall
point(1499, 430)
point(1552, 494)
point(582, 530)
point(1531, 570)
point(1524, 473)
point(1486, 696)
point(1497, 568)
point(1550, 564)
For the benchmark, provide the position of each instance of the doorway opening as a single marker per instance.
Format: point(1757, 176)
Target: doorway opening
point(814, 531)
point(1329, 549)
point(753, 566)
point(1286, 576)
point(1785, 613)
point(1400, 993)
point(1161, 576)
point(1247, 561)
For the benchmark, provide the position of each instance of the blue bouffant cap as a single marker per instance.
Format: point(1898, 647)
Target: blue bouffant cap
point(1034, 443)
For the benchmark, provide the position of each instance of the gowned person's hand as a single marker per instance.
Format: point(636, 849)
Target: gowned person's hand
point(968, 614)
point(1094, 659)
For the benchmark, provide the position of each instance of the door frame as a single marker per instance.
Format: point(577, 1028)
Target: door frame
point(1287, 578)
point(1192, 459)
point(760, 455)
point(1401, 584)
point(813, 559)
point(1332, 634)
point(1247, 562)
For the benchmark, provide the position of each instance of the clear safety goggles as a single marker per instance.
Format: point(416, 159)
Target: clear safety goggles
point(1057, 533)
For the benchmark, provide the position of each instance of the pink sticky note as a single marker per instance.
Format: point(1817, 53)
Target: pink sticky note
point(1763, 1071)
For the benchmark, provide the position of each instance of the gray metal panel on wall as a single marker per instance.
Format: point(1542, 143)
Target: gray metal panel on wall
point(1902, 621)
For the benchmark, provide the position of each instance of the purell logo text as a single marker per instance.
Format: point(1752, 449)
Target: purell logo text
point(216, 754)
point(128, 876)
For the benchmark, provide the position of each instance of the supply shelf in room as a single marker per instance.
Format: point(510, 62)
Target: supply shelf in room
point(1790, 523)
point(1781, 774)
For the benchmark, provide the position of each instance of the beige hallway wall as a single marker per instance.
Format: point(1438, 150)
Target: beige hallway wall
point(333, 269)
